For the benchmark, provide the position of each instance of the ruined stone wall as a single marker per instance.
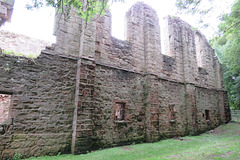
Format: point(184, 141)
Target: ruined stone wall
point(168, 86)
point(155, 108)
point(5, 101)
point(67, 32)
point(42, 104)
point(94, 91)
point(113, 86)
point(21, 44)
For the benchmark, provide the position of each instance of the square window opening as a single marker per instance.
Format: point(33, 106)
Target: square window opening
point(120, 111)
point(5, 101)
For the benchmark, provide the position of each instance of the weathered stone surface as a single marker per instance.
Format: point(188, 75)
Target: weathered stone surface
point(6, 9)
point(5, 100)
point(42, 104)
point(94, 91)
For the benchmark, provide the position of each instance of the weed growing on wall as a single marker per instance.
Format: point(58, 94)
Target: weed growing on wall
point(12, 53)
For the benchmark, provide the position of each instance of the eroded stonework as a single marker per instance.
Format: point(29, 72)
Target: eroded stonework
point(94, 91)
point(6, 9)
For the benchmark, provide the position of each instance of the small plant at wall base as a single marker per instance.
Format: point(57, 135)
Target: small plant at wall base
point(17, 156)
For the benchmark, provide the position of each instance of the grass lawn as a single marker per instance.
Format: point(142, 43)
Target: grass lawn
point(222, 143)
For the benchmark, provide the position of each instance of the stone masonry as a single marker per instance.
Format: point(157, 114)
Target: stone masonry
point(6, 9)
point(94, 91)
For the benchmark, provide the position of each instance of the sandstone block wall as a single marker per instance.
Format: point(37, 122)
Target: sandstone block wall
point(95, 91)
point(5, 101)
point(42, 104)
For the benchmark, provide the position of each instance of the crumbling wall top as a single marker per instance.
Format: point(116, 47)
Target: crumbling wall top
point(189, 58)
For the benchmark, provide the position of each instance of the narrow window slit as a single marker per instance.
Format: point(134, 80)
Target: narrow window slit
point(207, 117)
point(5, 100)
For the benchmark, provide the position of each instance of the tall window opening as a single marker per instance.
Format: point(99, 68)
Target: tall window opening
point(207, 116)
point(199, 49)
point(172, 113)
point(120, 111)
point(5, 100)
point(166, 37)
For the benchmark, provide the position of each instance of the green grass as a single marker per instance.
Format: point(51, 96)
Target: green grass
point(223, 143)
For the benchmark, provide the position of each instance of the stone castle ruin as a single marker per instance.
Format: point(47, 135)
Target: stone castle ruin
point(91, 90)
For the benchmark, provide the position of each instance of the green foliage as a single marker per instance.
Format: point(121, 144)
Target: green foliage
point(17, 156)
point(193, 7)
point(187, 4)
point(194, 29)
point(13, 53)
point(202, 10)
point(227, 48)
point(87, 9)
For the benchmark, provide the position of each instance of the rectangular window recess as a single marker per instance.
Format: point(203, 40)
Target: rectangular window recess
point(172, 113)
point(207, 115)
point(5, 101)
point(120, 111)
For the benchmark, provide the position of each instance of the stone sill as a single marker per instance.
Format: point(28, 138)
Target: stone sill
point(121, 122)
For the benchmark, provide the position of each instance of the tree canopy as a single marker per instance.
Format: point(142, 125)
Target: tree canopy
point(227, 47)
point(87, 9)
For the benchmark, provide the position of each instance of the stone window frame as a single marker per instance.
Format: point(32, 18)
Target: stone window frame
point(125, 119)
point(9, 121)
